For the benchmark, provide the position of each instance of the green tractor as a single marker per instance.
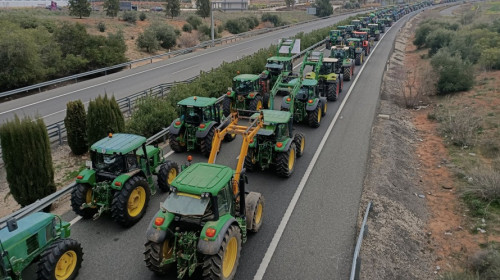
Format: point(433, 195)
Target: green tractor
point(374, 31)
point(207, 216)
point(41, 237)
point(247, 93)
point(195, 126)
point(280, 63)
point(388, 21)
point(274, 146)
point(329, 83)
point(356, 23)
point(371, 40)
point(356, 51)
point(305, 103)
point(119, 178)
point(334, 38)
point(364, 21)
point(363, 36)
point(344, 64)
point(381, 25)
point(349, 29)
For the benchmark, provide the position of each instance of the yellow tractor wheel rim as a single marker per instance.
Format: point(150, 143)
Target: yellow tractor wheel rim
point(258, 214)
point(302, 145)
point(259, 105)
point(66, 265)
point(291, 159)
point(326, 107)
point(88, 196)
point(136, 201)
point(319, 117)
point(171, 175)
point(167, 250)
point(230, 254)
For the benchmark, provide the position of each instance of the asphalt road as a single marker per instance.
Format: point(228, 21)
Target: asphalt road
point(51, 104)
point(319, 238)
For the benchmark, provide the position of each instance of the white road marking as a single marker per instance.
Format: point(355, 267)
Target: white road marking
point(75, 220)
point(184, 69)
point(286, 217)
point(148, 70)
point(168, 154)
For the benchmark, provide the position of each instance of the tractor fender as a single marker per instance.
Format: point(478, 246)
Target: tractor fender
point(252, 95)
point(211, 247)
point(156, 233)
point(312, 106)
point(231, 94)
point(175, 129)
point(285, 147)
point(123, 178)
point(88, 176)
point(285, 104)
point(202, 132)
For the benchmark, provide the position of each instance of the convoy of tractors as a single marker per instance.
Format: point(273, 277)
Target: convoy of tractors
point(208, 213)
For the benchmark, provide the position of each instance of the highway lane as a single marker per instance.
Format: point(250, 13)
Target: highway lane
point(112, 252)
point(51, 104)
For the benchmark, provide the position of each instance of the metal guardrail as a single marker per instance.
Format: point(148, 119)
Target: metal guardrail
point(356, 260)
point(129, 64)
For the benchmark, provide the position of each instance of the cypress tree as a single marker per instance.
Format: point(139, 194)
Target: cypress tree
point(103, 116)
point(28, 159)
point(76, 127)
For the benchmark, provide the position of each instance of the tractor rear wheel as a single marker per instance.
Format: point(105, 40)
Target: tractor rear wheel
point(347, 73)
point(266, 100)
point(358, 59)
point(226, 106)
point(82, 193)
point(254, 211)
point(223, 265)
point(331, 94)
point(61, 260)
point(130, 203)
point(157, 252)
point(285, 162)
point(168, 172)
point(324, 107)
point(177, 145)
point(300, 143)
point(255, 104)
point(314, 117)
point(206, 142)
point(250, 160)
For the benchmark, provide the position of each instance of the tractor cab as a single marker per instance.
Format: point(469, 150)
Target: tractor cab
point(364, 21)
point(277, 64)
point(249, 92)
point(334, 38)
point(349, 29)
point(363, 37)
point(356, 23)
point(246, 83)
point(340, 52)
point(277, 125)
point(308, 90)
point(330, 65)
point(381, 25)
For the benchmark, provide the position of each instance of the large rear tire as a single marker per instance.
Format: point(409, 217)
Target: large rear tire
point(177, 145)
point(256, 104)
point(347, 73)
point(226, 106)
point(61, 260)
point(332, 91)
point(300, 143)
point(82, 193)
point(206, 142)
point(130, 203)
point(223, 265)
point(155, 253)
point(358, 60)
point(285, 162)
point(314, 117)
point(255, 210)
point(168, 171)
point(250, 161)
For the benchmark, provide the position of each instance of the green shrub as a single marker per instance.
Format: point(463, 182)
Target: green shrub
point(236, 26)
point(438, 39)
point(187, 27)
point(421, 34)
point(205, 29)
point(142, 16)
point(220, 28)
point(454, 73)
point(103, 116)
point(130, 16)
point(101, 26)
point(147, 40)
point(76, 127)
point(28, 160)
point(195, 21)
point(151, 115)
point(274, 19)
point(460, 127)
point(165, 34)
point(490, 58)
point(252, 22)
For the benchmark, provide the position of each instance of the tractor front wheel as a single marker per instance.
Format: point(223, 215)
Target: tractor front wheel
point(168, 172)
point(250, 160)
point(61, 260)
point(82, 193)
point(177, 145)
point(314, 117)
point(255, 104)
point(347, 73)
point(358, 60)
point(206, 142)
point(223, 265)
point(300, 143)
point(285, 162)
point(157, 252)
point(130, 203)
point(254, 211)
point(331, 94)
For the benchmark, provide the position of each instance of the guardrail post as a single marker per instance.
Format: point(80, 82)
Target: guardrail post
point(59, 134)
point(129, 106)
point(161, 90)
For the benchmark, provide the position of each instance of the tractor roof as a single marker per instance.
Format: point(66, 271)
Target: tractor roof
point(341, 27)
point(203, 177)
point(355, 20)
point(309, 82)
point(359, 32)
point(26, 227)
point(340, 47)
point(274, 116)
point(279, 58)
point(197, 101)
point(120, 143)
point(330, 59)
point(373, 24)
point(246, 77)
point(364, 30)
point(354, 39)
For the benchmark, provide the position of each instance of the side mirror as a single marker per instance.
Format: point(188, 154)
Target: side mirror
point(12, 224)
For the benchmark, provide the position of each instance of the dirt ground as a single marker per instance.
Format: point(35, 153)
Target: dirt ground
point(418, 227)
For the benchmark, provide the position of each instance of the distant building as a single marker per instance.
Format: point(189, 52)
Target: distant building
point(231, 5)
point(32, 3)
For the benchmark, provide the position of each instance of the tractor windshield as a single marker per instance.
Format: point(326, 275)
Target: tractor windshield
point(326, 68)
point(186, 204)
point(114, 164)
point(191, 115)
point(243, 87)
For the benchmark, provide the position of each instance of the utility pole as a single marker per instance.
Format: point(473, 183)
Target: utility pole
point(212, 22)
